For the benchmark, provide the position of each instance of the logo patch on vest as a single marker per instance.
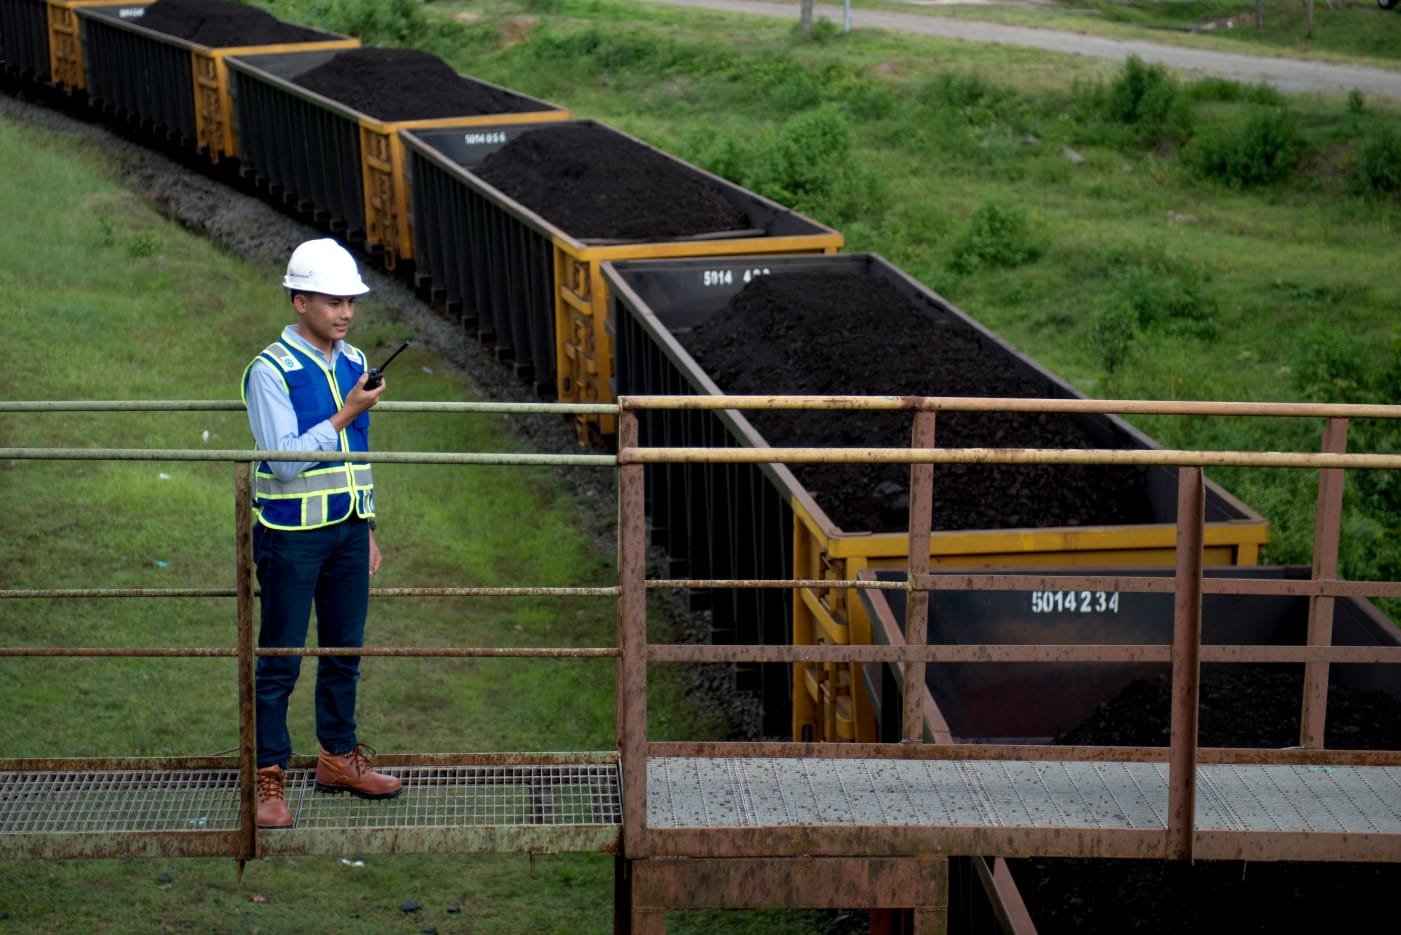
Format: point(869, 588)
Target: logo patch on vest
point(283, 356)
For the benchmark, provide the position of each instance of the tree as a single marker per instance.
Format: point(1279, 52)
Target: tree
point(805, 17)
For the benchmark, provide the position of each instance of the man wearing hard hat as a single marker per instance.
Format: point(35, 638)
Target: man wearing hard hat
point(313, 542)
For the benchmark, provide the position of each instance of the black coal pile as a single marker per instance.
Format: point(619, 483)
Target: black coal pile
point(1241, 706)
point(222, 24)
point(596, 184)
point(394, 85)
point(836, 332)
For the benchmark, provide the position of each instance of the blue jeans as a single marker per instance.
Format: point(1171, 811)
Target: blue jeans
point(328, 568)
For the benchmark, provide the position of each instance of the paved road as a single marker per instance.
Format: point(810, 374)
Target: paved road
point(1292, 75)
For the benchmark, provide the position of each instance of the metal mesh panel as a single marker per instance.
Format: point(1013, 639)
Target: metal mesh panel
point(558, 794)
point(207, 800)
point(126, 800)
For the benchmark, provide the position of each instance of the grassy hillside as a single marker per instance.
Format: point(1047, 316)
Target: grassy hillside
point(107, 299)
point(1143, 234)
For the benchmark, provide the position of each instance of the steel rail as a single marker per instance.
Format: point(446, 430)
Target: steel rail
point(1155, 457)
point(224, 405)
point(249, 455)
point(1015, 404)
point(602, 591)
point(1161, 457)
point(943, 582)
point(877, 403)
point(527, 652)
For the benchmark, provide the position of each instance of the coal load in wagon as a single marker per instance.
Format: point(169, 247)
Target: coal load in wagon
point(1241, 706)
point(218, 24)
point(596, 185)
point(396, 85)
point(828, 332)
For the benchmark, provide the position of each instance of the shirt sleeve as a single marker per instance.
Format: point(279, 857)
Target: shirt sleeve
point(274, 423)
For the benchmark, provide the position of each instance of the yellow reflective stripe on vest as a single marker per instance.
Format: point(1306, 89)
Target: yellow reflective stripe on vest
point(311, 482)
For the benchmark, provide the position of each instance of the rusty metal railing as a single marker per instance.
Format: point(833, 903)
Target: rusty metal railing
point(1188, 585)
point(635, 652)
point(245, 841)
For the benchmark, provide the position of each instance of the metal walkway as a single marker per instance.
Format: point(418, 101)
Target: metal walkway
point(485, 808)
point(755, 792)
point(578, 806)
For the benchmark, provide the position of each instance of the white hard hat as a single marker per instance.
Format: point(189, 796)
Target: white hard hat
point(326, 267)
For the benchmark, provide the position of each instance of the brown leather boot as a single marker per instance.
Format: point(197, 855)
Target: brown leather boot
point(272, 798)
point(350, 772)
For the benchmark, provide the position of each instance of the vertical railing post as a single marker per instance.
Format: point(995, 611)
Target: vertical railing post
point(1327, 523)
point(917, 599)
point(1186, 662)
point(247, 660)
point(632, 636)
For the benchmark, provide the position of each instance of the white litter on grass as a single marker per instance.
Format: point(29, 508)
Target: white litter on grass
point(164, 476)
point(352, 863)
point(427, 369)
point(206, 434)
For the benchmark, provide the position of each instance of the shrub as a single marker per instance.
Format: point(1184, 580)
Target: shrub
point(998, 234)
point(1162, 292)
point(1379, 161)
point(374, 22)
point(1326, 366)
point(1112, 332)
point(1260, 150)
point(1146, 99)
point(809, 166)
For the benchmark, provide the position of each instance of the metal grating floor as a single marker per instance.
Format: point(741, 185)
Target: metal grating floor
point(726, 792)
point(756, 792)
point(207, 800)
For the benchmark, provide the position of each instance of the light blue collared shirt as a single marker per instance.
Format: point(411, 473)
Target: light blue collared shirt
point(274, 421)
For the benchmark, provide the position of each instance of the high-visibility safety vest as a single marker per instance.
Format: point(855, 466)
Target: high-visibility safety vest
point(330, 491)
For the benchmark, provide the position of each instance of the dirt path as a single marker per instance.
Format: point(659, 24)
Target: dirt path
point(1291, 75)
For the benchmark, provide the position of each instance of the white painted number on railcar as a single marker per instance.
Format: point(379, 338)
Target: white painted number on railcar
point(1084, 602)
point(727, 277)
point(476, 139)
point(135, 12)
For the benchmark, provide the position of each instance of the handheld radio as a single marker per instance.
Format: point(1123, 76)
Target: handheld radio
point(376, 376)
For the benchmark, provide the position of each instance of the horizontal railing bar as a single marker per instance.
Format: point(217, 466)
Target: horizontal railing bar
point(116, 592)
point(734, 652)
point(235, 455)
point(1016, 404)
point(605, 591)
point(230, 761)
point(233, 405)
point(530, 652)
point(1010, 652)
point(897, 403)
point(1161, 457)
point(758, 583)
point(847, 750)
point(660, 455)
point(948, 582)
point(527, 591)
point(1146, 585)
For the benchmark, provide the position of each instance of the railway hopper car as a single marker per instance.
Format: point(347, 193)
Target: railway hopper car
point(765, 521)
point(1035, 702)
point(1116, 703)
point(342, 165)
point(520, 263)
point(174, 90)
point(40, 41)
